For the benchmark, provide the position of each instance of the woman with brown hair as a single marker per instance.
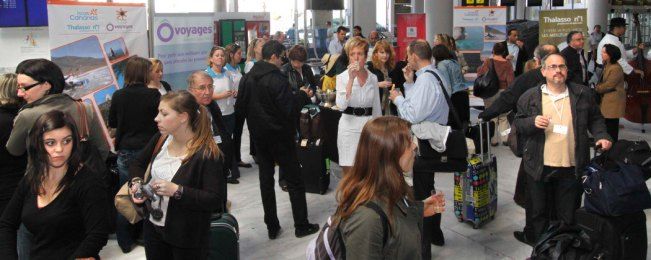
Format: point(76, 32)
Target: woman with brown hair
point(132, 112)
point(504, 70)
point(385, 152)
point(382, 64)
point(358, 97)
point(186, 173)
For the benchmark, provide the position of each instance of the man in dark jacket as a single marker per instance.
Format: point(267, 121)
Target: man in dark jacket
point(200, 85)
point(577, 64)
point(506, 102)
point(268, 104)
point(517, 54)
point(553, 121)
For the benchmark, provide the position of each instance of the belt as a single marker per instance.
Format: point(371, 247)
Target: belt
point(359, 111)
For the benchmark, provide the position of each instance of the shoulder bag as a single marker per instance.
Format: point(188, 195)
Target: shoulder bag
point(123, 202)
point(487, 85)
point(456, 149)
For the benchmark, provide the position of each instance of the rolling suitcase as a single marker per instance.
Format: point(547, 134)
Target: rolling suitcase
point(313, 166)
point(475, 191)
point(224, 241)
point(622, 237)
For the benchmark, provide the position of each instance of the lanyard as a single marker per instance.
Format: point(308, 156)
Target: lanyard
point(560, 114)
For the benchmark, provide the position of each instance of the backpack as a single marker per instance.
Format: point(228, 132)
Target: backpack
point(329, 244)
point(310, 123)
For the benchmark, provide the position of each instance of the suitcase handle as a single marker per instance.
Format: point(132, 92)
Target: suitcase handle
point(481, 136)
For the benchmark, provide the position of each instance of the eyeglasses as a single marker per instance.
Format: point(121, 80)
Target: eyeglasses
point(26, 88)
point(561, 67)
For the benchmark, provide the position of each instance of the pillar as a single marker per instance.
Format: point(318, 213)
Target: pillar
point(363, 15)
point(417, 6)
point(598, 14)
point(438, 18)
point(520, 7)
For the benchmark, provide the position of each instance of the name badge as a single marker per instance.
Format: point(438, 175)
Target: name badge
point(560, 129)
point(506, 132)
point(218, 139)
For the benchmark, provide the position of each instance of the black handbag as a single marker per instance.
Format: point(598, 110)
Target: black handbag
point(487, 85)
point(613, 188)
point(456, 152)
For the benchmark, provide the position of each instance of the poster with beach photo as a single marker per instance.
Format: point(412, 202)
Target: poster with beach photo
point(91, 43)
point(476, 30)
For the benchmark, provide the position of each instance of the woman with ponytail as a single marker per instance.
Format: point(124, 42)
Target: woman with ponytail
point(186, 172)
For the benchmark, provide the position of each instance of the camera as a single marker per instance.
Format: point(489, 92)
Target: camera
point(147, 191)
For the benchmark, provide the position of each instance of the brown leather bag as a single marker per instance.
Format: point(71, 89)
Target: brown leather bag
point(123, 202)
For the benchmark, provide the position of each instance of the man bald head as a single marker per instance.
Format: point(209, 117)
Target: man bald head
point(542, 51)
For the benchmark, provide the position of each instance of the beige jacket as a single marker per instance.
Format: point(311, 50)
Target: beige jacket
point(613, 103)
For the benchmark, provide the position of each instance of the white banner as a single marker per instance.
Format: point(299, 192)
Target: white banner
point(91, 42)
point(182, 42)
point(476, 30)
point(22, 43)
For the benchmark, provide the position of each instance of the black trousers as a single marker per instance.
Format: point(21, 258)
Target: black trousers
point(237, 138)
point(284, 153)
point(157, 249)
point(552, 198)
point(423, 186)
point(521, 198)
point(612, 128)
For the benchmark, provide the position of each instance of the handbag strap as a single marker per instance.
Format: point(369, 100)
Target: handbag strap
point(447, 98)
point(157, 148)
point(84, 132)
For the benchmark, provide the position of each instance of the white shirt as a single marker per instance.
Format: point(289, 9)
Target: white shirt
point(360, 96)
point(595, 38)
point(626, 55)
point(248, 65)
point(335, 46)
point(514, 49)
point(226, 105)
point(164, 167)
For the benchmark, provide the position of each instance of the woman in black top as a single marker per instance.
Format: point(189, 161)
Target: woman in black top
point(382, 64)
point(298, 73)
point(60, 201)
point(12, 168)
point(132, 113)
point(187, 173)
point(156, 77)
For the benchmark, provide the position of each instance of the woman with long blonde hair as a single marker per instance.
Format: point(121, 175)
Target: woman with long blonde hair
point(386, 151)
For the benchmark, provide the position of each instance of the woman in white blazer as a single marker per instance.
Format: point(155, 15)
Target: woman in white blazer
point(358, 97)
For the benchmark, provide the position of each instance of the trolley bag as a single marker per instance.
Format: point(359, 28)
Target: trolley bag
point(475, 191)
point(312, 166)
point(622, 237)
point(224, 241)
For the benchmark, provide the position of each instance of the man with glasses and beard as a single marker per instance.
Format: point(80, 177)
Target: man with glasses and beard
point(554, 120)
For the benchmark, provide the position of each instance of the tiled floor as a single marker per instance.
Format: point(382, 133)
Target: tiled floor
point(493, 241)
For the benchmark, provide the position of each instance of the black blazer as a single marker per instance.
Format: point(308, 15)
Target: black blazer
point(573, 62)
point(187, 223)
point(295, 80)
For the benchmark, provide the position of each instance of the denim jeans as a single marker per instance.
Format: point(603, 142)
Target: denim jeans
point(125, 232)
point(24, 242)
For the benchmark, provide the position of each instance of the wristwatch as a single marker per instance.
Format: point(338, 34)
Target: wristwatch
point(178, 193)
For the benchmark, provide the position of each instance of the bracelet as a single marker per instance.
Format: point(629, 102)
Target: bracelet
point(178, 193)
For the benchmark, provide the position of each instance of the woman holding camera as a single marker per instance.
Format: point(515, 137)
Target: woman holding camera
point(60, 201)
point(358, 97)
point(370, 185)
point(186, 172)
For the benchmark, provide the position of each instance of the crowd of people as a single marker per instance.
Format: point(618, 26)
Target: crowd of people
point(184, 142)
